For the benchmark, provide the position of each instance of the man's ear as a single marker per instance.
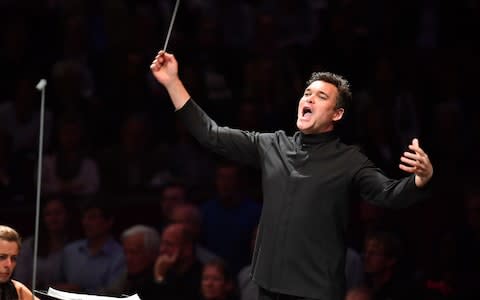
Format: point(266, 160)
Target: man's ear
point(338, 114)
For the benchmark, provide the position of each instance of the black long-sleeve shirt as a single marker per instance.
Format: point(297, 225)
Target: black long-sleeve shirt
point(308, 182)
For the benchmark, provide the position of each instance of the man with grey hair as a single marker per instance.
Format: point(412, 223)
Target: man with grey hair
point(140, 245)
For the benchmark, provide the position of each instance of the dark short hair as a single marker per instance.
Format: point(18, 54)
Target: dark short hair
point(95, 202)
point(342, 85)
point(222, 266)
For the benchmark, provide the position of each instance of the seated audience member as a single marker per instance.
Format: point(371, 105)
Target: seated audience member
point(177, 271)
point(359, 293)
point(10, 243)
point(191, 216)
point(131, 165)
point(382, 268)
point(20, 118)
point(10, 185)
point(141, 245)
point(217, 282)
point(95, 262)
point(55, 231)
point(353, 269)
point(189, 161)
point(454, 268)
point(230, 216)
point(173, 193)
point(69, 170)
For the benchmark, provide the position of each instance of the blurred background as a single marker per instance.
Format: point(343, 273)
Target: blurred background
point(111, 132)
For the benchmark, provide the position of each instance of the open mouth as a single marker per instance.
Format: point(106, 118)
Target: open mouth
point(306, 112)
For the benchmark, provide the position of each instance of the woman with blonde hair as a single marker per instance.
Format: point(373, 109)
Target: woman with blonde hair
point(10, 243)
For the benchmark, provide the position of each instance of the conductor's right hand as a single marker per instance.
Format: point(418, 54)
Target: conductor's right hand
point(165, 68)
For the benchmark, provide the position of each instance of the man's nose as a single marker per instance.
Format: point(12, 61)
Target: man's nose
point(8, 263)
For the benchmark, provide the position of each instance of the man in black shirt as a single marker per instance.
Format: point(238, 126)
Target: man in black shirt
point(308, 180)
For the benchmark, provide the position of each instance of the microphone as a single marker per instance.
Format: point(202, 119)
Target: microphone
point(41, 84)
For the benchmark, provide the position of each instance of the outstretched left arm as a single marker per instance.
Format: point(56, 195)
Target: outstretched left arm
point(418, 163)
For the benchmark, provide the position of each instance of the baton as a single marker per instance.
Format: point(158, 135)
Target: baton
point(172, 20)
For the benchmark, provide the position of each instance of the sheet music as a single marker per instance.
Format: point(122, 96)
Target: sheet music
point(76, 296)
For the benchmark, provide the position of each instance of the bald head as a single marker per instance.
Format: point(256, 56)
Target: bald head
point(189, 215)
point(176, 240)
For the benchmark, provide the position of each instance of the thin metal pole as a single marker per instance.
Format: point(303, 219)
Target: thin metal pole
point(40, 86)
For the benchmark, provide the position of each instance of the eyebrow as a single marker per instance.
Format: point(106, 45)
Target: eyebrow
point(308, 89)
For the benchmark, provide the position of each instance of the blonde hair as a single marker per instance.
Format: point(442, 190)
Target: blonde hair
point(11, 235)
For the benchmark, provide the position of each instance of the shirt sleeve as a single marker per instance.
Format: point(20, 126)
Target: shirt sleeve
point(116, 270)
point(235, 144)
point(375, 187)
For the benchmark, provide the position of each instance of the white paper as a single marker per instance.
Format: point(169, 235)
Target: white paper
point(74, 296)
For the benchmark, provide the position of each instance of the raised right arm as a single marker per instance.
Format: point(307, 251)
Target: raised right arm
point(165, 69)
point(232, 143)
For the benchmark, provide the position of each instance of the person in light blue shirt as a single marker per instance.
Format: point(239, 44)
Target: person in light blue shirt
point(95, 262)
point(229, 217)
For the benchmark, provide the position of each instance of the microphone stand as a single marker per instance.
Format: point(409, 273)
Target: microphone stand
point(41, 87)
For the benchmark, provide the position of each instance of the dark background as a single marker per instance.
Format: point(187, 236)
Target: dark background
point(412, 66)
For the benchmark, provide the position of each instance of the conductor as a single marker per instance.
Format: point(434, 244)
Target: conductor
point(308, 181)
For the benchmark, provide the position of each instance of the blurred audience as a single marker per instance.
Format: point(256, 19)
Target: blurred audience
point(454, 265)
point(190, 216)
point(383, 268)
point(190, 162)
point(69, 170)
point(217, 282)
point(131, 166)
point(354, 271)
point(95, 262)
point(247, 60)
point(8, 180)
point(230, 216)
point(20, 118)
point(58, 227)
point(359, 293)
point(177, 271)
point(140, 245)
point(172, 194)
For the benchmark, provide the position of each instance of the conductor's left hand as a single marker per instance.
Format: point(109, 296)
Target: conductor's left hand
point(418, 163)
